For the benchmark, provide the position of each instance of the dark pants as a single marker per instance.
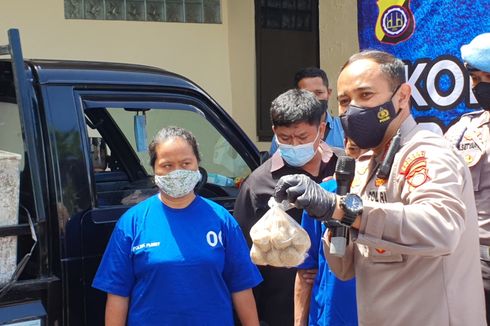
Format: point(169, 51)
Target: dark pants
point(275, 296)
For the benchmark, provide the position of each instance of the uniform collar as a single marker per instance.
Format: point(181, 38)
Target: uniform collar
point(407, 129)
point(278, 162)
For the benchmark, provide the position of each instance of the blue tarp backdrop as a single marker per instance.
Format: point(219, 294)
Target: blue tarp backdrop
point(427, 36)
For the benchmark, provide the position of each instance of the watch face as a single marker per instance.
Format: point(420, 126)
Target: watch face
point(353, 202)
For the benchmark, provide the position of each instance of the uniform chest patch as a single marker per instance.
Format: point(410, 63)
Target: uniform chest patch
point(471, 147)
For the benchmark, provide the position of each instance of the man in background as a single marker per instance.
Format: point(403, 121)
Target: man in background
point(471, 136)
point(298, 123)
point(326, 301)
point(315, 80)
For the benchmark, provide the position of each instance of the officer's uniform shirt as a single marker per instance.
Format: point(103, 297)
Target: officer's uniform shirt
point(416, 254)
point(471, 137)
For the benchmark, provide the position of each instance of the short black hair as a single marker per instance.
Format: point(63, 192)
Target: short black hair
point(171, 132)
point(391, 66)
point(296, 105)
point(310, 72)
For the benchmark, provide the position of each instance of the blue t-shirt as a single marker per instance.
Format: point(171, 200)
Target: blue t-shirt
point(333, 302)
point(178, 266)
point(335, 137)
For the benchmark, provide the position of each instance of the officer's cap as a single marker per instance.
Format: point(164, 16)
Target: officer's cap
point(477, 53)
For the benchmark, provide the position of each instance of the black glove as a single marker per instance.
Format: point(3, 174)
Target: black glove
point(307, 194)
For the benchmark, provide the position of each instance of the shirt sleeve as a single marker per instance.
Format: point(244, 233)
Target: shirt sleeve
point(335, 137)
point(428, 219)
point(314, 229)
point(115, 274)
point(239, 272)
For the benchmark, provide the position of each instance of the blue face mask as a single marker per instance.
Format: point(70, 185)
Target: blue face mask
point(298, 155)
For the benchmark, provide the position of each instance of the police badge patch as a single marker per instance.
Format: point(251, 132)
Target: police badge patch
point(415, 170)
point(472, 146)
point(395, 22)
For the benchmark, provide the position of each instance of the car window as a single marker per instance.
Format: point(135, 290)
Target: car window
point(217, 155)
point(10, 131)
point(122, 171)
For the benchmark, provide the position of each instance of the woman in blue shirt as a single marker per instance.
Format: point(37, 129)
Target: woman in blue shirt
point(177, 258)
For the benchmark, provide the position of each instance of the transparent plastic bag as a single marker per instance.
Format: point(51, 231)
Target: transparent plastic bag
point(278, 240)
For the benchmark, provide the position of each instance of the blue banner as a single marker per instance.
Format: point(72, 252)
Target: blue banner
point(427, 36)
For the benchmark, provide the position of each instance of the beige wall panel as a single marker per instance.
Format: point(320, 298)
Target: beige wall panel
point(338, 39)
point(243, 67)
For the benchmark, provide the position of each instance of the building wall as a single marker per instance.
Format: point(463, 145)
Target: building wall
point(218, 57)
point(242, 66)
point(197, 51)
point(338, 39)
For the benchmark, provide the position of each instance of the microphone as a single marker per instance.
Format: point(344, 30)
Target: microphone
point(345, 170)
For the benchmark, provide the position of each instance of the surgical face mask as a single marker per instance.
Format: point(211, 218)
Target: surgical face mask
point(178, 183)
point(367, 126)
point(482, 94)
point(298, 155)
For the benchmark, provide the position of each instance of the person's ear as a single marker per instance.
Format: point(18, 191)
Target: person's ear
point(321, 130)
point(404, 96)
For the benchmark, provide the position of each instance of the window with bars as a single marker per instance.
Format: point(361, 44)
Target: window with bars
point(182, 11)
point(294, 15)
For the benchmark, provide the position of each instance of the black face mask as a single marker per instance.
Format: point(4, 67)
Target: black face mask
point(367, 126)
point(482, 94)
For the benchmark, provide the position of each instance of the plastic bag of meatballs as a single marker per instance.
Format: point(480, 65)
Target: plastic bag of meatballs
point(278, 240)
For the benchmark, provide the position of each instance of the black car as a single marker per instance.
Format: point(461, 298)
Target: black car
point(82, 130)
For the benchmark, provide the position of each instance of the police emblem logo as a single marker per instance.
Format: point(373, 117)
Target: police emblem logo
point(395, 22)
point(379, 182)
point(472, 156)
point(415, 170)
point(383, 115)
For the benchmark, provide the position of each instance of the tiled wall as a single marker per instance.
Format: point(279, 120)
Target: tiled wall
point(183, 11)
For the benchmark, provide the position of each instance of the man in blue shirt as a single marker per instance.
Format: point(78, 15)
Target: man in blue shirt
point(315, 80)
point(328, 301)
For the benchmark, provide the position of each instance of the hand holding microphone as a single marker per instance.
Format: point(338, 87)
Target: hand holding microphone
point(344, 174)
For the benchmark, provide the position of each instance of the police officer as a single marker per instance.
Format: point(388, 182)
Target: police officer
point(411, 213)
point(471, 137)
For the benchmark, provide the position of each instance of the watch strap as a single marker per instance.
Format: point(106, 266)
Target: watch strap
point(348, 220)
point(349, 217)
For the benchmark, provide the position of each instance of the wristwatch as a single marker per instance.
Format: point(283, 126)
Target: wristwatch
point(352, 206)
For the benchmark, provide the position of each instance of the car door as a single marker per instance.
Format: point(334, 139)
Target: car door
point(119, 127)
